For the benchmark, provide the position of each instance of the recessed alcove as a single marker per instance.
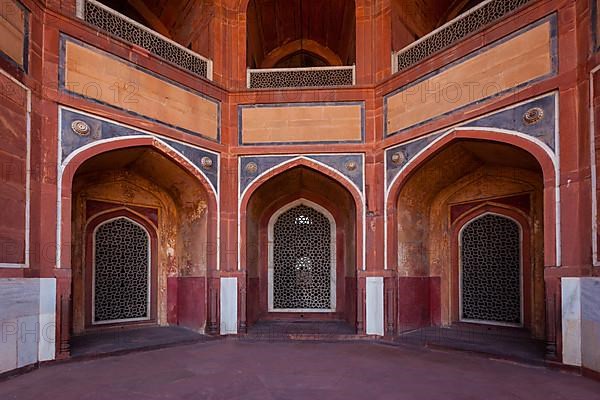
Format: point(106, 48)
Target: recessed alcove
point(300, 33)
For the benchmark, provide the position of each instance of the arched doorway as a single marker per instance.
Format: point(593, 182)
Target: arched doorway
point(461, 270)
point(490, 270)
point(142, 224)
point(302, 259)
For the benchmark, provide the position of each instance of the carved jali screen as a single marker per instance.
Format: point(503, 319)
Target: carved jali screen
point(121, 272)
point(302, 260)
point(491, 270)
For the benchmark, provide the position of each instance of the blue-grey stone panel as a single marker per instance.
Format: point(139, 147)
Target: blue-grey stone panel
point(512, 119)
point(195, 155)
point(408, 151)
point(339, 162)
point(101, 129)
point(262, 164)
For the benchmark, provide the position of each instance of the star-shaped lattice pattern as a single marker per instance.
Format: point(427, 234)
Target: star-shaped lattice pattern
point(120, 271)
point(302, 260)
point(491, 270)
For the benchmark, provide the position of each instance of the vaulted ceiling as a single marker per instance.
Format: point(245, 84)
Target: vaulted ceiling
point(414, 19)
point(288, 33)
point(184, 21)
point(280, 31)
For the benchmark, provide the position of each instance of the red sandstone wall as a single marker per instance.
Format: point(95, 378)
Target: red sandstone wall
point(14, 149)
point(228, 32)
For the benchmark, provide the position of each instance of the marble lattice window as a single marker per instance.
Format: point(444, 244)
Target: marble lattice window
point(121, 272)
point(302, 260)
point(490, 256)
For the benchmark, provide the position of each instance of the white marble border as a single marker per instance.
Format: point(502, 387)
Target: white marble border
point(571, 320)
point(228, 306)
point(374, 306)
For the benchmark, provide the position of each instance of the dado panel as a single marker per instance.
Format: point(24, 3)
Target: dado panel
point(28, 321)
point(99, 76)
point(301, 123)
point(521, 58)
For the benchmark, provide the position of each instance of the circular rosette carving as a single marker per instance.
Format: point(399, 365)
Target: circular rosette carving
point(251, 168)
point(81, 128)
point(533, 116)
point(207, 163)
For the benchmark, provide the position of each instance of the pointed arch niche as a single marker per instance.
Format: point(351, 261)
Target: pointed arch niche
point(296, 186)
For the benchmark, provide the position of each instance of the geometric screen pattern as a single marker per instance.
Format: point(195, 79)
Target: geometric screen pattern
point(491, 270)
point(112, 22)
point(302, 260)
point(289, 78)
point(473, 21)
point(121, 269)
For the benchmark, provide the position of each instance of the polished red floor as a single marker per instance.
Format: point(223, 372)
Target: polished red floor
point(231, 369)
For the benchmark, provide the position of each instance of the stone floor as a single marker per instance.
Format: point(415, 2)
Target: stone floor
point(127, 340)
point(506, 343)
point(294, 329)
point(233, 369)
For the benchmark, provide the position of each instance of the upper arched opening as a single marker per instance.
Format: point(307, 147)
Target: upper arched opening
point(300, 33)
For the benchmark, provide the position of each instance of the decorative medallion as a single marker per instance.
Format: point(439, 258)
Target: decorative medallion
point(206, 162)
point(398, 158)
point(251, 168)
point(533, 116)
point(80, 127)
point(351, 165)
